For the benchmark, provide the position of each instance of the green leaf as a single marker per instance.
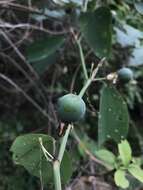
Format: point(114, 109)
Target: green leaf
point(27, 152)
point(136, 171)
point(139, 7)
point(113, 120)
point(41, 49)
point(106, 156)
point(66, 168)
point(134, 183)
point(120, 179)
point(125, 152)
point(97, 29)
point(42, 66)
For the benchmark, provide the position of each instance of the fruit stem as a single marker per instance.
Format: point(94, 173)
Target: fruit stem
point(64, 142)
point(91, 79)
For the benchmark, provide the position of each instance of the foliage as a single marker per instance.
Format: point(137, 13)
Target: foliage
point(127, 164)
point(113, 116)
point(97, 29)
point(77, 47)
point(28, 152)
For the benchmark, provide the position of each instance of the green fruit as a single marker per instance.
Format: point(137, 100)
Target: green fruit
point(125, 74)
point(71, 108)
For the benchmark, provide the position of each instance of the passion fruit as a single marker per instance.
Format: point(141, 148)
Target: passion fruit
point(71, 108)
point(125, 75)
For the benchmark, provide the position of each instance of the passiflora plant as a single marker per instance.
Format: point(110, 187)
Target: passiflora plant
point(40, 154)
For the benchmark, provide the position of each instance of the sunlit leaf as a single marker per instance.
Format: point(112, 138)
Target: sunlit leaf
point(136, 171)
point(125, 152)
point(120, 179)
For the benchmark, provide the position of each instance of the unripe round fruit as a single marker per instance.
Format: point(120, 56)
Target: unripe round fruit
point(125, 74)
point(71, 108)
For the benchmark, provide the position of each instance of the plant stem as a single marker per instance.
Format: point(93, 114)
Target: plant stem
point(92, 78)
point(83, 90)
point(63, 143)
point(57, 176)
point(82, 59)
point(81, 53)
point(56, 163)
point(100, 79)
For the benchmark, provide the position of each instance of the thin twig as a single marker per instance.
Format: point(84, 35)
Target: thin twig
point(82, 58)
point(18, 53)
point(14, 47)
point(24, 26)
point(92, 157)
point(44, 113)
point(74, 79)
point(91, 79)
point(21, 56)
point(26, 9)
point(18, 66)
